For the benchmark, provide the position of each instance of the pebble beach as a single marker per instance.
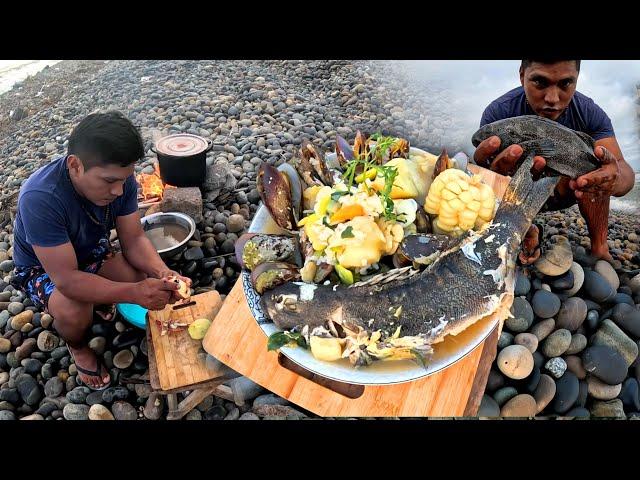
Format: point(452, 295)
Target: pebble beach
point(575, 331)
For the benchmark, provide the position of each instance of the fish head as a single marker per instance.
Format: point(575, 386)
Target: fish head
point(288, 305)
point(508, 130)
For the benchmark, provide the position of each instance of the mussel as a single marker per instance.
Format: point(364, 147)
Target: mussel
point(271, 274)
point(275, 192)
point(312, 166)
point(421, 250)
point(253, 249)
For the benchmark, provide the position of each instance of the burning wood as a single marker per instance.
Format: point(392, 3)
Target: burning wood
point(152, 188)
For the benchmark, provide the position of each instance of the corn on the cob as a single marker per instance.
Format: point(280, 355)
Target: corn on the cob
point(460, 202)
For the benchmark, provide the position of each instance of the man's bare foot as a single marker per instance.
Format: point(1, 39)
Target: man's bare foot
point(530, 250)
point(602, 253)
point(105, 312)
point(87, 364)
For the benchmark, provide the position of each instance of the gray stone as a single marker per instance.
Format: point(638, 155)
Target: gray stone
point(249, 416)
point(504, 394)
point(545, 304)
point(611, 408)
point(123, 359)
point(556, 367)
point(29, 389)
point(556, 343)
point(54, 387)
point(544, 393)
point(78, 394)
point(488, 407)
point(73, 411)
point(605, 269)
point(627, 318)
point(154, 407)
point(15, 308)
point(605, 363)
point(602, 391)
point(578, 343)
point(124, 411)
point(543, 328)
point(7, 415)
point(269, 399)
point(522, 315)
point(47, 341)
point(183, 200)
point(572, 313)
point(611, 335)
point(98, 344)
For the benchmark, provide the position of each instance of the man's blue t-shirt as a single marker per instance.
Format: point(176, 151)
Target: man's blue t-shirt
point(50, 214)
point(582, 114)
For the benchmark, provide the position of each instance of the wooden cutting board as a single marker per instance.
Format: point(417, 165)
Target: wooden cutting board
point(236, 339)
point(176, 353)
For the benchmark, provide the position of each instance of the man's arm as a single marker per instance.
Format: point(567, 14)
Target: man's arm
point(137, 248)
point(61, 264)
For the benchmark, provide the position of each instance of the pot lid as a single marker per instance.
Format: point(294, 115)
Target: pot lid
point(181, 145)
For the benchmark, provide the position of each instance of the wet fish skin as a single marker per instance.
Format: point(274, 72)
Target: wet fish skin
point(566, 151)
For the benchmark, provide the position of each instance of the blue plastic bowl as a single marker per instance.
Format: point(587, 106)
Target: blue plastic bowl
point(134, 314)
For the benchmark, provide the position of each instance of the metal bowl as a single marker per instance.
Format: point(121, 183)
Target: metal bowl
point(170, 218)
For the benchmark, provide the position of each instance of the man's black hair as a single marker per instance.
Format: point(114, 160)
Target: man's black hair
point(104, 139)
point(527, 63)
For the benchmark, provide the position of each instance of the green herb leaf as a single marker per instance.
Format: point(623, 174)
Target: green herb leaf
point(326, 224)
point(336, 195)
point(280, 339)
point(348, 232)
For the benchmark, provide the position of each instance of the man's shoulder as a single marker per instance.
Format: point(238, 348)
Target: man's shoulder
point(585, 103)
point(508, 105)
point(43, 183)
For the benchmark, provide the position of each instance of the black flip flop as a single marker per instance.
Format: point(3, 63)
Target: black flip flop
point(91, 373)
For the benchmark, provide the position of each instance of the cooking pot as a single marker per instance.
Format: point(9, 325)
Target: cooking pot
point(182, 159)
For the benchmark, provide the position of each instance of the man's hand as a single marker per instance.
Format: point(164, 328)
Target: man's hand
point(154, 293)
point(599, 183)
point(165, 274)
point(505, 162)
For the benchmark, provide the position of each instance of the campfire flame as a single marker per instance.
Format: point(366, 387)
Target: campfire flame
point(152, 185)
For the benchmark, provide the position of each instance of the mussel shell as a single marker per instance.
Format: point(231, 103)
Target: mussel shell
point(295, 187)
point(254, 249)
point(316, 160)
point(271, 274)
point(422, 221)
point(344, 152)
point(275, 193)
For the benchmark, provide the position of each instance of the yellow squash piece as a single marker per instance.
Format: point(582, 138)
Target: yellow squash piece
point(327, 349)
point(198, 328)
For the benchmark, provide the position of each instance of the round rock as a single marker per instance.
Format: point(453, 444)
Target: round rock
point(567, 389)
point(605, 269)
point(605, 363)
point(123, 359)
point(578, 279)
point(574, 365)
point(522, 405)
point(597, 287)
point(515, 361)
point(73, 411)
point(124, 411)
point(557, 259)
point(556, 367)
point(505, 339)
point(611, 335)
point(99, 412)
point(578, 343)
point(545, 304)
point(630, 394)
point(556, 343)
point(527, 340)
point(572, 313)
point(627, 318)
point(21, 319)
point(543, 328)
point(504, 394)
point(235, 223)
point(522, 315)
point(47, 341)
point(545, 391)
point(602, 391)
point(488, 407)
point(610, 408)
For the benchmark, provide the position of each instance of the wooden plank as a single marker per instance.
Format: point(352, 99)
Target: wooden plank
point(176, 354)
point(489, 351)
point(237, 340)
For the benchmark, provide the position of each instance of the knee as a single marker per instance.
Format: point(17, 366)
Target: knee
point(70, 313)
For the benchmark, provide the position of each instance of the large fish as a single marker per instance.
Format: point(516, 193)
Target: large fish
point(469, 280)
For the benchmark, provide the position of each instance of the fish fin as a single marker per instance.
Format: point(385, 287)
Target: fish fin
point(395, 274)
point(543, 147)
point(586, 138)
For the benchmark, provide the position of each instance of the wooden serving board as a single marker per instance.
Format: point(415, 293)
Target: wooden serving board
point(176, 353)
point(235, 339)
